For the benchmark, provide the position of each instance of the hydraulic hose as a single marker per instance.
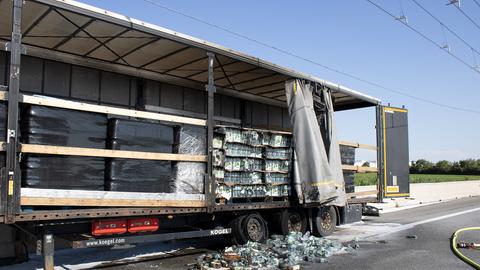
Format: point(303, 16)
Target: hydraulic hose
point(462, 257)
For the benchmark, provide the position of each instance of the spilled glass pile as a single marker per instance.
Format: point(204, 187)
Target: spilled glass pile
point(279, 252)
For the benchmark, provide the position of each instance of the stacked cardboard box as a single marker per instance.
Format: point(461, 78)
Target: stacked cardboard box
point(251, 163)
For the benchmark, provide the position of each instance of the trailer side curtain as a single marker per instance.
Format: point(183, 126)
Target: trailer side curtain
point(334, 158)
point(317, 173)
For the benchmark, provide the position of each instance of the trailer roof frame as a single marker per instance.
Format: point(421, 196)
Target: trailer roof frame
point(86, 23)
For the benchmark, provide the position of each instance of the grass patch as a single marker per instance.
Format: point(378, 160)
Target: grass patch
point(366, 179)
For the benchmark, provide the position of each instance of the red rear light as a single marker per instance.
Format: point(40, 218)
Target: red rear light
point(136, 225)
point(108, 227)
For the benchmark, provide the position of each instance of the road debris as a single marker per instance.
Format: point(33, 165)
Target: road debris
point(279, 252)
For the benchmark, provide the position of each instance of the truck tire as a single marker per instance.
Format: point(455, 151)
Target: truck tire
point(238, 236)
point(290, 221)
point(325, 221)
point(254, 228)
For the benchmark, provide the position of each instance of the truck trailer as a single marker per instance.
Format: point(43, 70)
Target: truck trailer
point(118, 131)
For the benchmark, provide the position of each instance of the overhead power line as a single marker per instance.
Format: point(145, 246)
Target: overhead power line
point(477, 3)
point(446, 27)
point(440, 46)
point(467, 16)
point(355, 77)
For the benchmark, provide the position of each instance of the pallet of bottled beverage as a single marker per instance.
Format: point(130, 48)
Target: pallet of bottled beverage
point(252, 163)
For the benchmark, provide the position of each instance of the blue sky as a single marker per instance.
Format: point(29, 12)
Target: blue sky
point(354, 37)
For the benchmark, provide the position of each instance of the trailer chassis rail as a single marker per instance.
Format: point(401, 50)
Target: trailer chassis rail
point(46, 245)
point(119, 212)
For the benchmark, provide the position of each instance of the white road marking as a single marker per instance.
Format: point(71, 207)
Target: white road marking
point(421, 222)
point(369, 231)
point(444, 217)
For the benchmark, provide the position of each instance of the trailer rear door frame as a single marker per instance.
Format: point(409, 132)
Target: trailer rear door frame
point(392, 140)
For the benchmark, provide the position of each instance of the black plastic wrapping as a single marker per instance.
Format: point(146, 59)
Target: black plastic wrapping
point(139, 175)
point(54, 126)
point(61, 127)
point(63, 172)
point(132, 135)
point(188, 177)
point(347, 154)
point(349, 178)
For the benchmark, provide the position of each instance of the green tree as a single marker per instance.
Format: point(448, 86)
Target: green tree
point(469, 166)
point(466, 167)
point(366, 164)
point(421, 166)
point(443, 166)
point(456, 168)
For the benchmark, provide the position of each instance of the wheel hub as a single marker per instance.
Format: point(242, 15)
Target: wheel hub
point(254, 230)
point(294, 223)
point(326, 221)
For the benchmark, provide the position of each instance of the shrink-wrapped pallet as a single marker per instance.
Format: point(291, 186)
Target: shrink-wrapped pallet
point(189, 177)
point(62, 127)
point(347, 155)
point(137, 175)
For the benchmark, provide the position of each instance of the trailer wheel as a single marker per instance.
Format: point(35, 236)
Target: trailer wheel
point(255, 228)
point(290, 221)
point(325, 221)
point(238, 236)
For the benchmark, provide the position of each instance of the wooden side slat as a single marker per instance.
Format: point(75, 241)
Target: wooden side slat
point(358, 145)
point(276, 131)
point(363, 200)
point(367, 146)
point(351, 144)
point(92, 152)
point(359, 169)
point(80, 106)
point(362, 193)
point(3, 93)
point(60, 197)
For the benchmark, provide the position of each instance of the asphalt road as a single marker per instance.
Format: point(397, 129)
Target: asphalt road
point(431, 249)
point(432, 226)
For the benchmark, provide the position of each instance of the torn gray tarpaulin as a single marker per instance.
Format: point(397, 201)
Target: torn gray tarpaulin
point(334, 159)
point(318, 174)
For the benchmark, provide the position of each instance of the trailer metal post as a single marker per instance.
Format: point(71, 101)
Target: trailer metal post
point(11, 185)
point(210, 185)
point(48, 247)
point(380, 150)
